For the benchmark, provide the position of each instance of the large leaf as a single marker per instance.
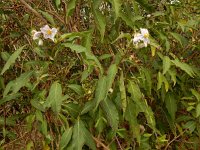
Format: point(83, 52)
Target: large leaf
point(166, 64)
point(112, 71)
point(111, 113)
point(185, 67)
point(81, 136)
point(66, 137)
point(100, 22)
point(101, 91)
point(18, 83)
point(22, 81)
point(171, 105)
point(12, 59)
point(131, 116)
point(138, 98)
point(55, 98)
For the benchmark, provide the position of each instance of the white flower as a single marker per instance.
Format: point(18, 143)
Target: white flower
point(145, 35)
point(141, 37)
point(137, 38)
point(35, 34)
point(149, 15)
point(40, 42)
point(48, 33)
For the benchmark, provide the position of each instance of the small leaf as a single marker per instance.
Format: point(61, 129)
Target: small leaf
point(185, 67)
point(171, 105)
point(76, 88)
point(196, 94)
point(191, 125)
point(89, 55)
point(87, 107)
point(111, 113)
point(66, 137)
point(57, 3)
point(198, 110)
point(12, 59)
point(9, 98)
point(122, 92)
point(70, 7)
point(166, 64)
point(182, 40)
point(48, 17)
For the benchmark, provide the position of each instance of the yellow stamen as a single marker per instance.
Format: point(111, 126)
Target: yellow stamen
point(146, 35)
point(49, 32)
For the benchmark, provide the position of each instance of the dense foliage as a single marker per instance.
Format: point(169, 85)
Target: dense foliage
point(75, 74)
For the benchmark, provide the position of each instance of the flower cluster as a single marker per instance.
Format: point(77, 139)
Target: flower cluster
point(141, 37)
point(48, 33)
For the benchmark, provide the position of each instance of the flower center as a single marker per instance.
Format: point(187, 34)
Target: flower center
point(146, 35)
point(49, 32)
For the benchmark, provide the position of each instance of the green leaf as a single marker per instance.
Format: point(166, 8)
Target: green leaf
point(81, 136)
point(66, 137)
point(35, 103)
point(191, 125)
point(146, 79)
point(77, 88)
point(111, 113)
point(89, 55)
point(5, 56)
point(198, 110)
point(87, 107)
point(57, 3)
point(162, 79)
point(12, 59)
point(55, 98)
point(131, 116)
point(112, 71)
point(172, 73)
point(182, 40)
point(100, 21)
point(21, 81)
point(72, 109)
point(122, 92)
point(171, 105)
point(166, 64)
point(141, 103)
point(196, 94)
point(117, 7)
point(185, 67)
point(101, 91)
point(70, 7)
point(48, 17)
point(9, 98)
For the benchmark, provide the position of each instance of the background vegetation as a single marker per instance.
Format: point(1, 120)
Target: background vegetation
point(92, 88)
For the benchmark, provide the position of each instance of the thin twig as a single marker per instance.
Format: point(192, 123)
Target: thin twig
point(119, 143)
point(166, 147)
point(99, 142)
point(33, 10)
